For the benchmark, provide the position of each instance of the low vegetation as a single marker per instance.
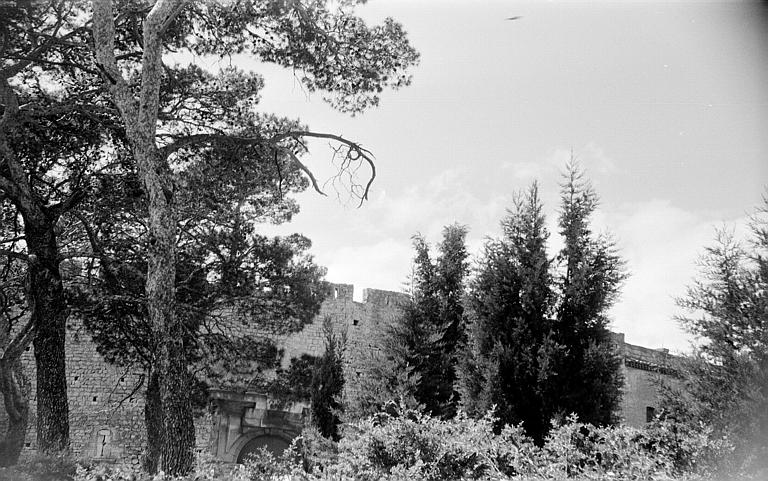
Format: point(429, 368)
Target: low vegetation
point(405, 444)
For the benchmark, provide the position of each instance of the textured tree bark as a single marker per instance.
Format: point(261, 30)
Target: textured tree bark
point(140, 119)
point(49, 316)
point(178, 437)
point(45, 291)
point(14, 387)
point(153, 421)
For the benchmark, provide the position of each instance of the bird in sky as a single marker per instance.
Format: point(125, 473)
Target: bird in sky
point(514, 18)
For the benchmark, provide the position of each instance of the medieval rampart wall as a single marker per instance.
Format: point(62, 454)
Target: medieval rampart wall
point(105, 414)
point(107, 407)
point(106, 403)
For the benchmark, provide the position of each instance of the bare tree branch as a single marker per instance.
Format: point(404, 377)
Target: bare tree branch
point(354, 151)
point(20, 342)
point(133, 392)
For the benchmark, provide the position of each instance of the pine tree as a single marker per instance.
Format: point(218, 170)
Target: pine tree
point(170, 111)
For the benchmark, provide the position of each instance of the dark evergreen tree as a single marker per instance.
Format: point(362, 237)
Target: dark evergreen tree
point(328, 383)
point(507, 356)
point(539, 346)
point(590, 274)
point(295, 383)
point(425, 339)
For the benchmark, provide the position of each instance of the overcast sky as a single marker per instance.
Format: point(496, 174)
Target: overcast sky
point(665, 104)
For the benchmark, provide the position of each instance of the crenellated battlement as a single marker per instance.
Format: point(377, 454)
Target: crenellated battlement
point(384, 298)
point(339, 292)
point(378, 297)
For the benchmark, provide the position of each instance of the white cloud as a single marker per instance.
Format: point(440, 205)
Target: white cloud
point(596, 160)
point(372, 246)
point(427, 208)
point(661, 244)
point(591, 156)
point(540, 170)
point(383, 265)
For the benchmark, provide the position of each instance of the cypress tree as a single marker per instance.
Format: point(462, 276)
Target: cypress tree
point(509, 302)
point(328, 384)
point(539, 345)
point(588, 280)
point(425, 339)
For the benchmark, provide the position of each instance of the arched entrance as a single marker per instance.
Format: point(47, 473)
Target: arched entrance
point(274, 444)
point(243, 423)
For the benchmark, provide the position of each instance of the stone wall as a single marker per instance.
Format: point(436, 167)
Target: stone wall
point(361, 322)
point(643, 369)
point(106, 402)
point(106, 408)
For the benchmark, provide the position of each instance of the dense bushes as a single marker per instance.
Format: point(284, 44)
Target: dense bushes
point(408, 445)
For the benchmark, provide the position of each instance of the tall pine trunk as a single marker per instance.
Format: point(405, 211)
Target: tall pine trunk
point(48, 310)
point(153, 421)
point(140, 116)
point(14, 386)
point(178, 436)
point(49, 316)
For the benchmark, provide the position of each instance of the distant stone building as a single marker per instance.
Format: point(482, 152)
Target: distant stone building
point(642, 368)
point(107, 408)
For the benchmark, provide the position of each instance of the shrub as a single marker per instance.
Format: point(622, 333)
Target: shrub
point(404, 444)
point(575, 449)
point(40, 467)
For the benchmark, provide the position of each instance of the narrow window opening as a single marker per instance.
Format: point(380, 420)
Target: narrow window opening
point(95, 398)
point(650, 414)
point(335, 292)
point(355, 322)
point(102, 442)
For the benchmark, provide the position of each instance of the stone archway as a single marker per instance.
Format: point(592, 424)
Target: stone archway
point(244, 422)
point(273, 443)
